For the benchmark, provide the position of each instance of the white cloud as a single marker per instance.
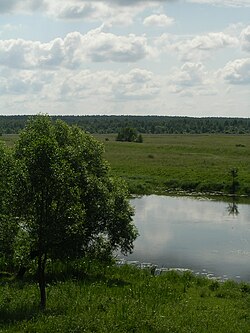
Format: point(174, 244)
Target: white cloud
point(137, 84)
point(84, 84)
point(158, 20)
point(198, 47)
point(74, 50)
point(236, 72)
point(190, 75)
point(102, 69)
point(245, 39)
point(134, 85)
point(75, 86)
point(74, 11)
point(15, 82)
point(103, 46)
point(113, 12)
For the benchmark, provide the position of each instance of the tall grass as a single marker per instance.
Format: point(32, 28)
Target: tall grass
point(128, 300)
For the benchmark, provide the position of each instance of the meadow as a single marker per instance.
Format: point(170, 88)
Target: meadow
point(127, 299)
point(165, 164)
point(189, 163)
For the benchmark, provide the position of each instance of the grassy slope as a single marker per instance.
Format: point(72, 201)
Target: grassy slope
point(190, 162)
point(128, 300)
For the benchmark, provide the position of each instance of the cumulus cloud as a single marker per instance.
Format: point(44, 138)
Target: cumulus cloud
point(75, 11)
point(84, 84)
point(237, 71)
point(23, 82)
point(245, 39)
point(137, 84)
point(103, 46)
point(113, 12)
point(190, 75)
point(73, 50)
point(65, 85)
point(158, 20)
point(134, 85)
point(198, 47)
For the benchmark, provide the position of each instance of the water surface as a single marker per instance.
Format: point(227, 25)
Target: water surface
point(197, 234)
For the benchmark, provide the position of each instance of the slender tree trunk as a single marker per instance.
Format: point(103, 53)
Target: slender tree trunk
point(41, 280)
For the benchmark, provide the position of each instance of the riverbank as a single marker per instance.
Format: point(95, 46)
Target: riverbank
point(126, 299)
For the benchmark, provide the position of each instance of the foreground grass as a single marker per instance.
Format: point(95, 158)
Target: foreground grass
point(128, 300)
point(199, 163)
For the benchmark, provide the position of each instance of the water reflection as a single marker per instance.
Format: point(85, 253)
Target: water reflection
point(196, 234)
point(232, 207)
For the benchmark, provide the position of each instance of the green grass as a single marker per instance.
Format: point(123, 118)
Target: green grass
point(165, 163)
point(9, 139)
point(199, 163)
point(128, 300)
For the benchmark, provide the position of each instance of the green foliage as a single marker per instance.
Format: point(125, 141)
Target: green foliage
point(67, 204)
point(8, 226)
point(66, 186)
point(139, 138)
point(129, 134)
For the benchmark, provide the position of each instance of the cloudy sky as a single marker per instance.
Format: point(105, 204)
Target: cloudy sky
point(166, 57)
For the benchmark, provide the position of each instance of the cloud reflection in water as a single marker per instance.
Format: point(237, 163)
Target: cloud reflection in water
point(192, 233)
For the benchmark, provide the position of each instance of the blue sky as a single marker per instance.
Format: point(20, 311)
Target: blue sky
point(168, 57)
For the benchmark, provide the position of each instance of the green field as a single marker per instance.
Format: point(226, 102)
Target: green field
point(199, 163)
point(126, 300)
point(188, 163)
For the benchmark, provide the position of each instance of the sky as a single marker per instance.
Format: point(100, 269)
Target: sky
point(125, 57)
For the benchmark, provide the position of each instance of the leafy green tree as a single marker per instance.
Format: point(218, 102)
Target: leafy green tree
point(139, 138)
point(68, 203)
point(128, 134)
point(8, 225)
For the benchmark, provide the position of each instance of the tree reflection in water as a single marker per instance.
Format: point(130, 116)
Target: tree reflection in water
point(232, 207)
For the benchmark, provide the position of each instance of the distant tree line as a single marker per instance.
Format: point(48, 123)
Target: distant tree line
point(143, 124)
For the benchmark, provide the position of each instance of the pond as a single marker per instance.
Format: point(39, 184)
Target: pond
point(208, 237)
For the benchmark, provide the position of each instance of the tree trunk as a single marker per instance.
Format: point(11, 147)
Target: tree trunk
point(41, 280)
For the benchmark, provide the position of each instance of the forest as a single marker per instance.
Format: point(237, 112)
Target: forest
point(143, 124)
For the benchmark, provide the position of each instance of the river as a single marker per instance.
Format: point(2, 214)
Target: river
point(206, 236)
